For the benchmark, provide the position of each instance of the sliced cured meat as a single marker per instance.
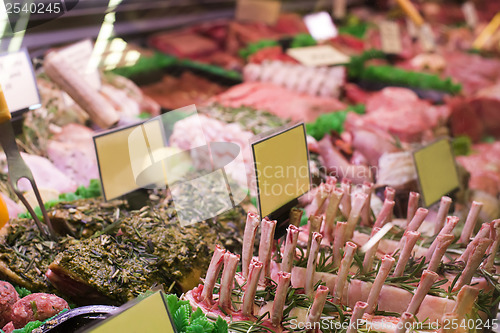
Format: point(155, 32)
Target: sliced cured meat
point(72, 152)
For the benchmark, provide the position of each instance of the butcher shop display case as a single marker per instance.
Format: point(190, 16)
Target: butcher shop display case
point(250, 166)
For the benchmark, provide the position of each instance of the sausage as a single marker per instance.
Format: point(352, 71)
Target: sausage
point(36, 307)
point(8, 297)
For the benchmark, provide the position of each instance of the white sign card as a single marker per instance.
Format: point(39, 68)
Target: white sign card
point(426, 37)
point(321, 26)
point(391, 37)
point(320, 55)
point(18, 81)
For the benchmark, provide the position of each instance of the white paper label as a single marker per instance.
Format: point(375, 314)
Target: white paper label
point(320, 26)
point(470, 14)
point(391, 37)
point(18, 81)
point(412, 29)
point(78, 55)
point(321, 55)
point(427, 39)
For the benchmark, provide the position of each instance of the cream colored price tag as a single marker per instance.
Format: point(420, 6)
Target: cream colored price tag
point(266, 11)
point(18, 81)
point(426, 37)
point(321, 55)
point(391, 37)
point(470, 14)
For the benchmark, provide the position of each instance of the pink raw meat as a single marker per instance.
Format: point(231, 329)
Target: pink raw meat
point(72, 152)
point(279, 101)
point(400, 112)
point(477, 116)
point(471, 70)
point(46, 175)
point(484, 167)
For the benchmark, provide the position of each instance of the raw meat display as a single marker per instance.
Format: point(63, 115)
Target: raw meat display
point(278, 101)
point(358, 252)
point(399, 112)
point(72, 152)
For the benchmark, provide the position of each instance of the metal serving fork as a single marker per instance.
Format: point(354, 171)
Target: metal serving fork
point(18, 168)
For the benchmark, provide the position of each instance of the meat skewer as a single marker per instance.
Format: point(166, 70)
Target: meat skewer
point(451, 223)
point(280, 297)
point(292, 236)
point(442, 243)
point(319, 199)
point(212, 274)
point(317, 307)
point(385, 214)
point(409, 240)
point(465, 301)
point(251, 288)
point(339, 241)
point(389, 195)
point(426, 281)
point(265, 247)
point(444, 207)
point(385, 268)
point(357, 314)
point(470, 222)
point(311, 263)
point(365, 212)
point(345, 203)
point(314, 226)
point(349, 250)
point(358, 203)
point(412, 206)
point(489, 265)
point(370, 254)
point(251, 226)
point(472, 263)
point(484, 232)
point(331, 212)
point(417, 219)
point(226, 282)
point(404, 322)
